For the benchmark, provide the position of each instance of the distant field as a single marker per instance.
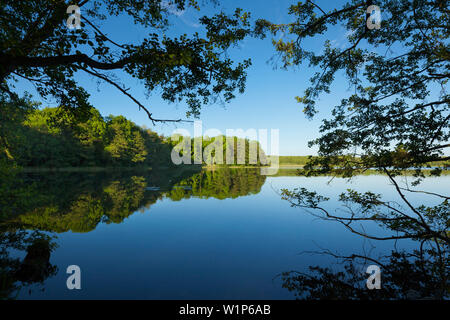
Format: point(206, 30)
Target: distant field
point(302, 160)
point(286, 172)
point(292, 160)
point(440, 163)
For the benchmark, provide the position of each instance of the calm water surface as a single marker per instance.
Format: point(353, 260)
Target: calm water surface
point(223, 234)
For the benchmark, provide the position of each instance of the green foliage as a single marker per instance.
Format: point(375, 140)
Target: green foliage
point(52, 138)
point(12, 115)
point(126, 143)
point(246, 152)
point(36, 45)
point(398, 116)
point(395, 120)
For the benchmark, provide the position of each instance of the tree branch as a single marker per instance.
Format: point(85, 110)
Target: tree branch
point(125, 92)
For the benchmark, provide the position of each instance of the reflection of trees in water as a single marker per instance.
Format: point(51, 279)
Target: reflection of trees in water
point(427, 226)
point(35, 268)
point(221, 184)
point(70, 203)
point(417, 275)
point(79, 202)
point(82, 212)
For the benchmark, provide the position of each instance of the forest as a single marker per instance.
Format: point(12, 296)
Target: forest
point(51, 138)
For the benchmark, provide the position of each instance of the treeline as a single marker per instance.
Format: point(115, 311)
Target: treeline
point(293, 160)
point(219, 150)
point(49, 138)
point(53, 138)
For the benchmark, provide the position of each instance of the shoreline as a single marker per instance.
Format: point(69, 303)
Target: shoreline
point(283, 170)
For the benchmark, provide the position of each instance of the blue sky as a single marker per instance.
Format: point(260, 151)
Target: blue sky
point(268, 102)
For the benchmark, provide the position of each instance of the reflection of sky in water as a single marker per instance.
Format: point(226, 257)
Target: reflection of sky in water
point(213, 249)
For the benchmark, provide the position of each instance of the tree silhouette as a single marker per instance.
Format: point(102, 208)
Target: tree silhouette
point(36, 45)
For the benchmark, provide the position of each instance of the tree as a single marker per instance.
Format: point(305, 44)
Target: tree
point(12, 115)
point(396, 119)
point(52, 138)
point(399, 114)
point(36, 45)
point(234, 150)
point(91, 135)
point(126, 144)
point(138, 148)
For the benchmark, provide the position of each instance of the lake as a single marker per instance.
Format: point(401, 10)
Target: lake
point(183, 234)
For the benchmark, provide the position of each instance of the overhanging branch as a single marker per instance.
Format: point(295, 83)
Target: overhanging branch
point(125, 92)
